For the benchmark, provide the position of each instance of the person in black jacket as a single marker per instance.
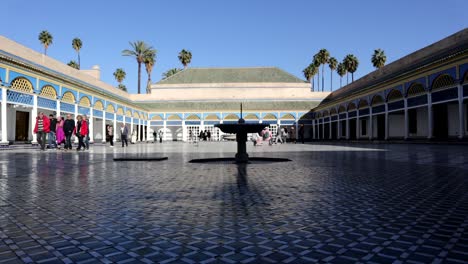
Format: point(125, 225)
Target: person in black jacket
point(52, 133)
point(68, 128)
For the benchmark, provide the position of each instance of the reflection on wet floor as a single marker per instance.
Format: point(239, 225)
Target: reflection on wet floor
point(332, 203)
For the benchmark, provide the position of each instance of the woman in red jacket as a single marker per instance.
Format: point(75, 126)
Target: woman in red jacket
point(41, 128)
point(81, 131)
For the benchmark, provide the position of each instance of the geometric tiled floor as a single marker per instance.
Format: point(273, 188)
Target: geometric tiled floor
point(331, 204)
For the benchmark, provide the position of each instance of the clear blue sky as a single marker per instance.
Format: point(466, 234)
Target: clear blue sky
point(233, 33)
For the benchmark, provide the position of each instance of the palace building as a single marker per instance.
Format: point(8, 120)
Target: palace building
point(420, 96)
point(194, 99)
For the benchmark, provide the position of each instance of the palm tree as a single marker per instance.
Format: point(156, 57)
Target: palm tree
point(378, 58)
point(77, 44)
point(309, 73)
point(351, 63)
point(46, 40)
point(341, 70)
point(332, 62)
point(122, 87)
point(185, 57)
point(322, 56)
point(316, 63)
point(139, 51)
point(120, 75)
point(73, 64)
point(170, 72)
point(149, 60)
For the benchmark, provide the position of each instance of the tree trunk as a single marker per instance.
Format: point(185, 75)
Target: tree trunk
point(347, 78)
point(318, 81)
point(341, 83)
point(352, 77)
point(148, 85)
point(139, 76)
point(79, 61)
point(45, 50)
point(323, 77)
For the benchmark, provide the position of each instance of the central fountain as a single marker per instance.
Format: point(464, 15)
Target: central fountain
point(241, 129)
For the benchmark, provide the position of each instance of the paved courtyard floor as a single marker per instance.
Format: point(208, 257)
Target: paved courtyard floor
point(331, 204)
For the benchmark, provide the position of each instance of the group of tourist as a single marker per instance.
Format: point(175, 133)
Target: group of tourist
point(282, 136)
point(204, 135)
point(59, 131)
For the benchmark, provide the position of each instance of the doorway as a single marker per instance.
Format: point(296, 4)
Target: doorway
point(381, 127)
point(352, 129)
point(334, 130)
point(440, 114)
point(22, 126)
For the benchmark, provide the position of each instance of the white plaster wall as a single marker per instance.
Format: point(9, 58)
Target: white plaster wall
point(396, 125)
point(465, 119)
point(98, 134)
point(422, 127)
point(453, 126)
point(374, 126)
point(361, 132)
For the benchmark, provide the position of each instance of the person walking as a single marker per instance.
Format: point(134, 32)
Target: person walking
point(41, 128)
point(68, 128)
point(86, 137)
point(59, 132)
point(110, 131)
point(285, 135)
point(124, 135)
point(279, 135)
point(52, 134)
point(81, 130)
point(160, 136)
point(209, 135)
point(301, 133)
point(133, 137)
point(292, 135)
point(155, 136)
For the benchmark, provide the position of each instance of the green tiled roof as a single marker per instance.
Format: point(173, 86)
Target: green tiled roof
point(228, 105)
point(231, 75)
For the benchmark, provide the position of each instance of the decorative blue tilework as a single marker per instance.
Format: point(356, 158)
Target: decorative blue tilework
point(119, 118)
point(19, 98)
point(287, 122)
point(97, 113)
point(418, 100)
point(211, 122)
point(378, 109)
point(46, 103)
point(445, 95)
point(157, 123)
point(174, 123)
point(396, 105)
point(363, 112)
point(66, 107)
point(109, 116)
point(128, 119)
point(83, 110)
